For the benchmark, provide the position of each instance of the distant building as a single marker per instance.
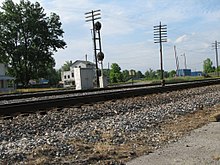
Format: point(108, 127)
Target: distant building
point(188, 72)
point(6, 82)
point(68, 78)
point(197, 73)
point(183, 72)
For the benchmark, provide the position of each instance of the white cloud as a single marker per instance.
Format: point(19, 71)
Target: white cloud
point(182, 38)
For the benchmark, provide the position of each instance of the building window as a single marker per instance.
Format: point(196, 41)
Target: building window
point(68, 76)
point(65, 77)
point(72, 74)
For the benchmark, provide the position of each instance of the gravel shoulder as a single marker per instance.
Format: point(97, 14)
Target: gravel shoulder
point(202, 146)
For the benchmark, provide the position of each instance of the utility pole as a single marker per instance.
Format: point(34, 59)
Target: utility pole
point(92, 16)
point(216, 46)
point(160, 35)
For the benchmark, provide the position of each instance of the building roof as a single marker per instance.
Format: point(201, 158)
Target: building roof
point(81, 61)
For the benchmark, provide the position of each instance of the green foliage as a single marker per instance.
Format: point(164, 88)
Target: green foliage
point(150, 74)
point(207, 66)
point(54, 76)
point(66, 66)
point(125, 75)
point(139, 75)
point(115, 73)
point(28, 39)
point(154, 75)
point(172, 73)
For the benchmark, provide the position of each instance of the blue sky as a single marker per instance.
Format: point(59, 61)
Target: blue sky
point(127, 31)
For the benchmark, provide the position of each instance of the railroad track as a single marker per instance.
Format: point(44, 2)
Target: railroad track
point(71, 91)
point(89, 96)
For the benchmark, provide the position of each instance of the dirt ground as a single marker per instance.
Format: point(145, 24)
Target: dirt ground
point(199, 146)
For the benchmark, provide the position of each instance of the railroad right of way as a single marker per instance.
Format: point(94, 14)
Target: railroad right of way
point(110, 132)
point(50, 100)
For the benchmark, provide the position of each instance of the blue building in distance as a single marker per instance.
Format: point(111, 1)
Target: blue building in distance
point(197, 73)
point(187, 72)
point(183, 72)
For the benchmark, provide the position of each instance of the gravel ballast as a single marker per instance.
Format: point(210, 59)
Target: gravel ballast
point(110, 132)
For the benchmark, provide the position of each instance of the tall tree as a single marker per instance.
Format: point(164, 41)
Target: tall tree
point(115, 73)
point(207, 66)
point(28, 39)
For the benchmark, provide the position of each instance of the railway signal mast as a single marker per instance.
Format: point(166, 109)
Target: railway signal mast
point(92, 16)
point(160, 35)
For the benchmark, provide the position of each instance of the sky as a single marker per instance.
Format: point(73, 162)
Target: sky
point(127, 31)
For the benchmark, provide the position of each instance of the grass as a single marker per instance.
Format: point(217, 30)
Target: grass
point(34, 90)
point(180, 79)
point(30, 90)
point(167, 80)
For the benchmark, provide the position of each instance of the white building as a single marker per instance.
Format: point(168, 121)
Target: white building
point(68, 77)
point(6, 82)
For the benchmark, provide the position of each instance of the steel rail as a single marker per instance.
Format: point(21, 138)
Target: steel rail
point(33, 106)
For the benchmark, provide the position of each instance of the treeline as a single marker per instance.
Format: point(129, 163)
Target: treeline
point(117, 75)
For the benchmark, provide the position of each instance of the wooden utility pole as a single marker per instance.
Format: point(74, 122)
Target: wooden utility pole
point(160, 35)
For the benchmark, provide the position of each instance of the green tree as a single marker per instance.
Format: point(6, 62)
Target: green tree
point(125, 75)
point(172, 73)
point(150, 74)
point(54, 76)
point(139, 75)
point(28, 39)
point(207, 66)
point(115, 73)
point(158, 74)
point(165, 74)
point(66, 66)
